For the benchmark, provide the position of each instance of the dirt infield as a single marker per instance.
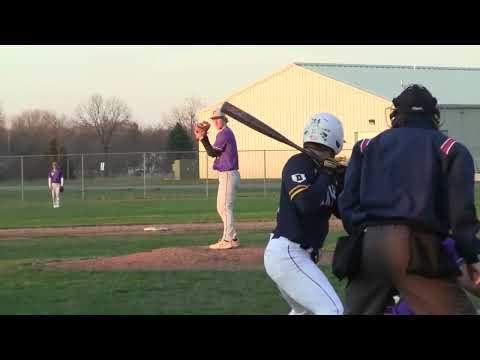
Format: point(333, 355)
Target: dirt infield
point(6, 234)
point(176, 258)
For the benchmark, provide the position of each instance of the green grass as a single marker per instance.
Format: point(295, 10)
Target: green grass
point(129, 207)
point(39, 213)
point(27, 290)
point(171, 202)
point(140, 293)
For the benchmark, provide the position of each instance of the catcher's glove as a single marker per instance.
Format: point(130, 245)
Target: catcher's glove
point(61, 189)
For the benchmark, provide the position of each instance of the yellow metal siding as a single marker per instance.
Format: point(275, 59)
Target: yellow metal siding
point(285, 101)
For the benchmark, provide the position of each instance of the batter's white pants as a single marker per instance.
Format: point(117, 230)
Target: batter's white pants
point(300, 281)
point(56, 193)
point(228, 182)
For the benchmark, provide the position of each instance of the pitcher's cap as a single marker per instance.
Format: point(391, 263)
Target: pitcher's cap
point(217, 113)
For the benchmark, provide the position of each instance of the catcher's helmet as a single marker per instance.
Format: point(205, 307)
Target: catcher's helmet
point(415, 99)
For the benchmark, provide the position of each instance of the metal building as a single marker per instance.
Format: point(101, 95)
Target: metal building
point(360, 95)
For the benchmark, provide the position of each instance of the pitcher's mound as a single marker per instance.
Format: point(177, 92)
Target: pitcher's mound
point(177, 258)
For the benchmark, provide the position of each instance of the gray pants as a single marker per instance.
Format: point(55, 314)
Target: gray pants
point(56, 193)
point(397, 259)
point(228, 182)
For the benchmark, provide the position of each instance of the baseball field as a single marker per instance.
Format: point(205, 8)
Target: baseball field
point(93, 256)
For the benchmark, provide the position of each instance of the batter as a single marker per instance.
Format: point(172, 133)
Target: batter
point(307, 200)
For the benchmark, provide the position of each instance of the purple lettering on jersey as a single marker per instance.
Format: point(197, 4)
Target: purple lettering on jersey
point(55, 176)
point(225, 142)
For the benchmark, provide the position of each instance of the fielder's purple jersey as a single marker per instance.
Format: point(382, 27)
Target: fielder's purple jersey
point(226, 143)
point(55, 175)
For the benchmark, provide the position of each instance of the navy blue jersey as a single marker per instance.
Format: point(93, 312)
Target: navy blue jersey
point(307, 199)
point(414, 175)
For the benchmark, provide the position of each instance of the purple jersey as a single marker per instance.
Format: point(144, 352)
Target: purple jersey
point(226, 143)
point(55, 175)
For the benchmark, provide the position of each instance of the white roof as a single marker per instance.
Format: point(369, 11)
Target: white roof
point(451, 86)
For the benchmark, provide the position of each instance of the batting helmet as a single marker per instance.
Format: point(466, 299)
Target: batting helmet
point(325, 129)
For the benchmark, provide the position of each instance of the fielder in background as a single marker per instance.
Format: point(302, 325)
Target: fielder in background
point(55, 183)
point(307, 200)
point(408, 189)
point(224, 150)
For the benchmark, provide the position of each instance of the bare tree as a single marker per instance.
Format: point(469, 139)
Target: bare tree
point(41, 119)
point(185, 114)
point(154, 138)
point(106, 117)
point(31, 130)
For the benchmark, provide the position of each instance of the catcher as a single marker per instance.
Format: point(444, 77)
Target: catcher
point(401, 307)
point(224, 150)
point(55, 184)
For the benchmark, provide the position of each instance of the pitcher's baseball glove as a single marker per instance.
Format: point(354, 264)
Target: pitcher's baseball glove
point(61, 189)
point(201, 130)
point(204, 125)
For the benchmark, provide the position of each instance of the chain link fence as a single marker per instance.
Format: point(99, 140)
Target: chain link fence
point(142, 175)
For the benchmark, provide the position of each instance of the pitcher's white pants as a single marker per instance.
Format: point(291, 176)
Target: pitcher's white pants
point(228, 182)
point(300, 281)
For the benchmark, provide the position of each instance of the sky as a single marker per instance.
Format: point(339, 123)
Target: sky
point(153, 79)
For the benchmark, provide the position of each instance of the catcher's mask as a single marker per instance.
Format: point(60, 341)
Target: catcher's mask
point(414, 100)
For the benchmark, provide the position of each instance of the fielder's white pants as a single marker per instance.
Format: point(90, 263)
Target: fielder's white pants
point(228, 182)
point(300, 281)
point(56, 193)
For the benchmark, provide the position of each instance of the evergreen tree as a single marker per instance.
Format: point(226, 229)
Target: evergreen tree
point(179, 140)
